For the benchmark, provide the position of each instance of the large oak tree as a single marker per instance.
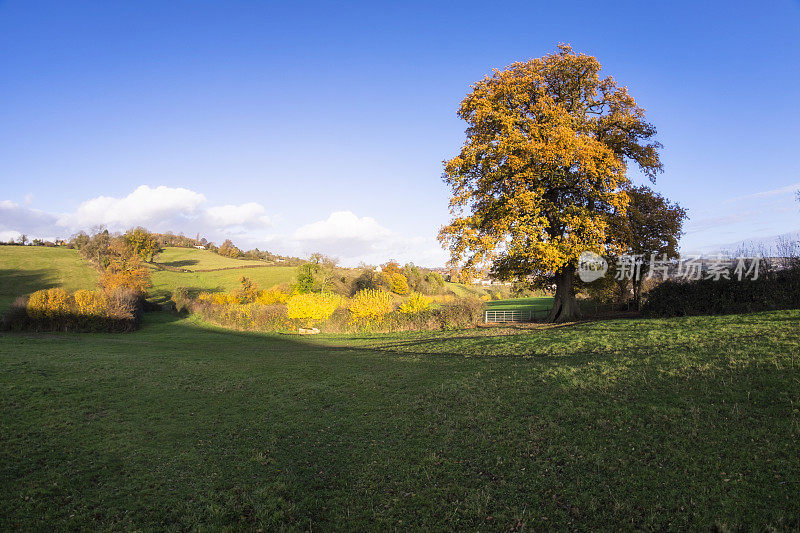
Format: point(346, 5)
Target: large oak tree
point(543, 170)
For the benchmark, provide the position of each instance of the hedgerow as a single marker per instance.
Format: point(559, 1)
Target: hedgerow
point(313, 306)
point(775, 290)
point(368, 310)
point(81, 311)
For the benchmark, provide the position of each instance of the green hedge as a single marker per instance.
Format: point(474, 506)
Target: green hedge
point(775, 290)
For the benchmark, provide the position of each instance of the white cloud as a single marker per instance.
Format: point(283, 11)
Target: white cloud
point(144, 206)
point(250, 214)
point(787, 190)
point(16, 219)
point(354, 239)
point(342, 234)
point(7, 236)
point(342, 225)
point(751, 217)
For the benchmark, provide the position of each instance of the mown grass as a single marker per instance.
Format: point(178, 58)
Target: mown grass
point(648, 424)
point(26, 269)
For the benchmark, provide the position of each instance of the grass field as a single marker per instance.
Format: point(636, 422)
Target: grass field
point(25, 269)
point(164, 282)
point(649, 424)
point(203, 277)
point(539, 305)
point(194, 259)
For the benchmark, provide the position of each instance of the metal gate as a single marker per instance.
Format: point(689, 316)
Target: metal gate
point(512, 315)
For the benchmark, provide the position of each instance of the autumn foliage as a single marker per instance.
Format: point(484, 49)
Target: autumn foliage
point(543, 169)
point(370, 304)
point(57, 309)
point(312, 306)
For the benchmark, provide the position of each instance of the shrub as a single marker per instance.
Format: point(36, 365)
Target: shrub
point(416, 304)
point(398, 283)
point(249, 291)
point(134, 279)
point(181, 300)
point(82, 311)
point(434, 278)
point(312, 306)
point(779, 290)
point(272, 296)
point(91, 303)
point(463, 313)
point(49, 303)
point(370, 304)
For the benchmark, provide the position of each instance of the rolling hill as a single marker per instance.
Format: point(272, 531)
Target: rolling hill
point(26, 269)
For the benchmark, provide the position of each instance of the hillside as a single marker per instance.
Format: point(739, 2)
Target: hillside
point(201, 270)
point(196, 260)
point(25, 269)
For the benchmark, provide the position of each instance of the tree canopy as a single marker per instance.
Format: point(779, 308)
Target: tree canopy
point(544, 169)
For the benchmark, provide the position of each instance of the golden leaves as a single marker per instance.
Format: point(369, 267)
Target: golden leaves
point(544, 162)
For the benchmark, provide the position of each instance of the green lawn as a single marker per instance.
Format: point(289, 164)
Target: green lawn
point(26, 269)
point(650, 424)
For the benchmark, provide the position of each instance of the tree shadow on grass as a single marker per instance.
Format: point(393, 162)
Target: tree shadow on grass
point(355, 426)
point(180, 263)
point(15, 283)
point(162, 296)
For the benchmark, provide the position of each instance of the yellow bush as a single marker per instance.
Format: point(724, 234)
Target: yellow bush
point(249, 291)
point(219, 298)
point(137, 280)
point(49, 303)
point(398, 283)
point(416, 304)
point(370, 303)
point(313, 305)
point(90, 303)
point(272, 296)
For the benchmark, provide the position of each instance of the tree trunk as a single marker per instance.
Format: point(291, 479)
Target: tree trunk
point(637, 293)
point(565, 308)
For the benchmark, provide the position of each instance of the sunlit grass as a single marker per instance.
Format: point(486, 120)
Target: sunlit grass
point(625, 424)
point(26, 269)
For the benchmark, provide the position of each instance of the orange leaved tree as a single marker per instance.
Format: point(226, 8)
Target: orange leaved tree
point(543, 170)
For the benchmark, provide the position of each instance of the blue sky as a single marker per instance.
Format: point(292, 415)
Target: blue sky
point(296, 126)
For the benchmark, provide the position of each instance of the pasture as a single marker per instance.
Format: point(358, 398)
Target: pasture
point(649, 424)
point(208, 271)
point(26, 269)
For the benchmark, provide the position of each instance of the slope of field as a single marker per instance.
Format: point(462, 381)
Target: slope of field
point(25, 269)
point(681, 424)
point(210, 272)
point(194, 259)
